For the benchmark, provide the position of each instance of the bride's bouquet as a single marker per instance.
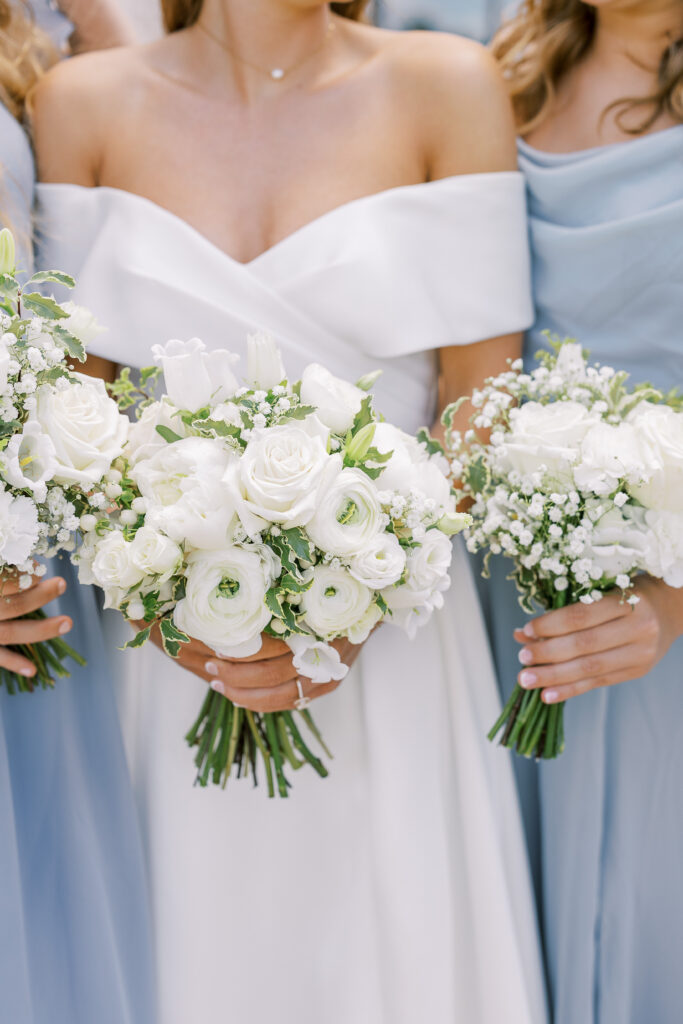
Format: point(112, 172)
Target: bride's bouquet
point(59, 432)
point(579, 482)
point(274, 507)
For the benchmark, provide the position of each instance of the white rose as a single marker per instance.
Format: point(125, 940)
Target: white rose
point(194, 377)
point(112, 567)
point(264, 362)
point(545, 435)
point(154, 554)
point(664, 557)
point(610, 454)
point(661, 429)
point(335, 400)
point(144, 439)
point(224, 604)
point(185, 496)
point(380, 564)
point(335, 602)
point(30, 460)
point(18, 528)
point(348, 517)
point(318, 661)
point(618, 542)
point(85, 426)
point(278, 476)
point(81, 323)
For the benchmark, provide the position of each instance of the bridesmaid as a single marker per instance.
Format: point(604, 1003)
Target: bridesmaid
point(598, 91)
point(74, 945)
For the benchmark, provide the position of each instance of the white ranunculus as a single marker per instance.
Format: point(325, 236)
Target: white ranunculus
point(193, 376)
point(81, 323)
point(224, 604)
point(186, 498)
point(154, 554)
point(618, 542)
point(264, 362)
point(143, 437)
point(335, 400)
point(661, 429)
point(18, 529)
point(335, 602)
point(609, 454)
point(112, 567)
point(426, 580)
point(664, 556)
point(85, 426)
point(279, 474)
point(30, 460)
point(318, 661)
point(348, 516)
point(380, 564)
point(570, 362)
point(545, 435)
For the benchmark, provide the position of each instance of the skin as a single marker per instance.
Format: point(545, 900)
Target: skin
point(580, 648)
point(369, 111)
point(98, 25)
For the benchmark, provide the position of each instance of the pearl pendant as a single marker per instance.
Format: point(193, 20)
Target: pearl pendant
point(277, 74)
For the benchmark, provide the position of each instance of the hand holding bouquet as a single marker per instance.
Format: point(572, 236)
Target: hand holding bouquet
point(277, 508)
point(581, 486)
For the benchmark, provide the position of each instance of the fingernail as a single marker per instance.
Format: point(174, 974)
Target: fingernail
point(61, 587)
point(28, 672)
point(65, 627)
point(212, 668)
point(550, 696)
point(529, 629)
point(217, 685)
point(525, 656)
point(527, 679)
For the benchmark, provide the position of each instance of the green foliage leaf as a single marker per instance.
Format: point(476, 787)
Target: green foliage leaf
point(274, 603)
point(149, 374)
point(299, 543)
point(139, 639)
point(55, 276)
point(43, 305)
point(382, 604)
point(364, 415)
point(433, 446)
point(172, 637)
point(9, 287)
point(70, 342)
point(168, 435)
point(299, 412)
point(477, 475)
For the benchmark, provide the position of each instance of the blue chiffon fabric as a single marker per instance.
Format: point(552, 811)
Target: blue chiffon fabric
point(605, 821)
point(75, 945)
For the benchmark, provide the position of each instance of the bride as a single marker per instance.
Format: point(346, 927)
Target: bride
point(281, 165)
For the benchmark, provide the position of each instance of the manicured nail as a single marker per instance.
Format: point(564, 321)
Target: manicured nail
point(61, 587)
point(212, 668)
point(28, 672)
point(65, 627)
point(550, 696)
point(526, 656)
point(217, 685)
point(527, 679)
point(529, 629)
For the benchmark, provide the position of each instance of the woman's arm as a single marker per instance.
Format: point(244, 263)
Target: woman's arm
point(98, 25)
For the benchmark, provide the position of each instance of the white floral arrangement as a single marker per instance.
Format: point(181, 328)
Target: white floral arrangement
point(59, 432)
point(273, 507)
point(578, 480)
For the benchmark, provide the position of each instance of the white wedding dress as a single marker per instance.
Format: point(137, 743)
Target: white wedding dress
point(396, 891)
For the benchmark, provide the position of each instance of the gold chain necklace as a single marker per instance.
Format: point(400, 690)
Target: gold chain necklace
point(277, 74)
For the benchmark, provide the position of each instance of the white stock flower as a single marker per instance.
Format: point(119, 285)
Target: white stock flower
point(610, 453)
point(348, 516)
point(264, 361)
point(184, 493)
point(570, 362)
point(143, 437)
point(661, 429)
point(335, 400)
point(224, 604)
point(111, 567)
point(30, 460)
point(318, 661)
point(154, 554)
point(86, 429)
point(664, 557)
point(193, 376)
point(19, 529)
point(335, 603)
point(545, 435)
point(380, 564)
point(81, 323)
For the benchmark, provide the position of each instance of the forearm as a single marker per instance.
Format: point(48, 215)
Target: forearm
point(98, 24)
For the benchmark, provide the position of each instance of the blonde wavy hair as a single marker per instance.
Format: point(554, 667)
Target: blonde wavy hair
point(25, 52)
point(179, 14)
point(547, 38)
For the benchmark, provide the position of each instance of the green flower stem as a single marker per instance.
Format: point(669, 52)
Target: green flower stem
point(274, 745)
point(264, 750)
point(300, 745)
point(287, 748)
point(235, 733)
point(308, 719)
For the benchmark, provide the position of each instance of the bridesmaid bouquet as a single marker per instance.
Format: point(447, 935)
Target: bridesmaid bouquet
point(59, 432)
point(580, 485)
point(274, 507)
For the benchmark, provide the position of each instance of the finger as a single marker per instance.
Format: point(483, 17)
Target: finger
point(270, 647)
point(246, 675)
point(576, 617)
point(281, 698)
point(559, 694)
point(14, 662)
point(22, 602)
point(615, 633)
point(593, 666)
point(34, 631)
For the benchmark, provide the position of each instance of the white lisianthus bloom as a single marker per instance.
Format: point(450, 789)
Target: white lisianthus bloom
point(318, 661)
point(144, 439)
point(348, 516)
point(154, 554)
point(545, 435)
point(609, 454)
point(664, 555)
point(30, 460)
point(335, 603)
point(193, 376)
point(18, 528)
point(112, 568)
point(264, 362)
point(661, 428)
point(279, 474)
point(335, 400)
point(618, 542)
point(81, 323)
point(380, 564)
point(224, 604)
point(85, 426)
point(426, 580)
point(184, 493)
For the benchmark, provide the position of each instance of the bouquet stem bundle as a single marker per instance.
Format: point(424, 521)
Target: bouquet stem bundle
point(48, 657)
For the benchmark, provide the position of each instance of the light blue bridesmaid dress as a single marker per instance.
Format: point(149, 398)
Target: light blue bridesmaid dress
point(75, 942)
point(605, 820)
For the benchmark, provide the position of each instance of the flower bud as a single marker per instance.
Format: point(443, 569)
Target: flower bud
point(454, 522)
point(8, 256)
point(359, 445)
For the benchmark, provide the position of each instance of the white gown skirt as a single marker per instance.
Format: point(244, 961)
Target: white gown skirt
point(396, 891)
